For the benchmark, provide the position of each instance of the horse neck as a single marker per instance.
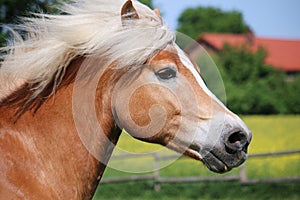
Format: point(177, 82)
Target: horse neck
point(50, 143)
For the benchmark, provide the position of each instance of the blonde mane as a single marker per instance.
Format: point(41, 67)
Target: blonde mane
point(86, 27)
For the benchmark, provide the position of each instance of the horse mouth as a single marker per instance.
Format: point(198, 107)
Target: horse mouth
point(212, 160)
point(209, 159)
point(214, 163)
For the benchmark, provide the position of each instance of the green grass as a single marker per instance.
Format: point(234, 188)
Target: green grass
point(270, 134)
point(204, 191)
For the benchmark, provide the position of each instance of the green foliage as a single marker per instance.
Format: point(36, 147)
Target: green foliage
point(11, 10)
point(291, 96)
point(3, 37)
point(254, 87)
point(195, 21)
point(147, 2)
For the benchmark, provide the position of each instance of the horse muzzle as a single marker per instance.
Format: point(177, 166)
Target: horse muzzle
point(225, 144)
point(230, 152)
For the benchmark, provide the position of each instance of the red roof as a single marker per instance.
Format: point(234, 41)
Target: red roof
point(282, 54)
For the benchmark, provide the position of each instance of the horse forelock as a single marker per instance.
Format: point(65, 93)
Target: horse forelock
point(33, 68)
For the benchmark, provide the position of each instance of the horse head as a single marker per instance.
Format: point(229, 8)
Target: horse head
point(165, 101)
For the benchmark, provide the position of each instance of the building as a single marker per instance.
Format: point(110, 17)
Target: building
point(281, 53)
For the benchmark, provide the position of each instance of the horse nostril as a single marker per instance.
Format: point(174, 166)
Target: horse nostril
point(236, 141)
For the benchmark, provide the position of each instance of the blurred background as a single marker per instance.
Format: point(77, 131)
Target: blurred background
point(255, 45)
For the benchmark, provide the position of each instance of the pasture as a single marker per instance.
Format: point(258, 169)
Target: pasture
point(270, 134)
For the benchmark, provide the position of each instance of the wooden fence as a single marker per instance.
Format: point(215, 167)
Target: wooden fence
point(241, 176)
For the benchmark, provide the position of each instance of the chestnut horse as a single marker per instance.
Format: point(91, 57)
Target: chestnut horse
point(74, 81)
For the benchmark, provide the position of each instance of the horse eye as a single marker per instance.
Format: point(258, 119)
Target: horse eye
point(166, 73)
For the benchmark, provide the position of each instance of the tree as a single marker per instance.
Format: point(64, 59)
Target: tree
point(254, 87)
point(147, 2)
point(291, 96)
point(195, 21)
point(10, 10)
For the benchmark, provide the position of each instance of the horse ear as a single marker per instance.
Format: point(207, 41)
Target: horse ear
point(157, 12)
point(128, 12)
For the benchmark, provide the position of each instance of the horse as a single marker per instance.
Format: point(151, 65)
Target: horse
point(73, 81)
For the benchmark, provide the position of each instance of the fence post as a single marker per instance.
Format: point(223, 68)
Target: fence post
point(156, 172)
point(243, 174)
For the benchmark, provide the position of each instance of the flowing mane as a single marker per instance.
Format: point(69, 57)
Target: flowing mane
point(87, 27)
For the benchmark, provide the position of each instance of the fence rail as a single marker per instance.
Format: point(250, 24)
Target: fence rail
point(241, 176)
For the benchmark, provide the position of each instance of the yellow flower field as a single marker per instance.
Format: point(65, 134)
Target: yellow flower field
point(270, 134)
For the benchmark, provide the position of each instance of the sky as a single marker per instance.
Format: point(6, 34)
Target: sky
point(267, 18)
